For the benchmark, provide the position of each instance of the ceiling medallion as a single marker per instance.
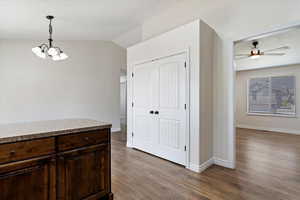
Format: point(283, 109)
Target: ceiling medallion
point(49, 51)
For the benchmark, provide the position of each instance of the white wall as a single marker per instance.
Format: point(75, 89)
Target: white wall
point(207, 37)
point(271, 123)
point(232, 20)
point(87, 85)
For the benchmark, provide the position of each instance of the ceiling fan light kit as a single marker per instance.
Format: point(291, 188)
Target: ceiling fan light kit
point(48, 50)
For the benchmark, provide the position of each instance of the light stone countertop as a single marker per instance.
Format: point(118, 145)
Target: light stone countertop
point(40, 129)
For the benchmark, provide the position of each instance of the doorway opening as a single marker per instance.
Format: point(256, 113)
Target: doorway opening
point(123, 105)
point(267, 117)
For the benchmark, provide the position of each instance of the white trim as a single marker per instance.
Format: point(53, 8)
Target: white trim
point(217, 161)
point(280, 130)
point(224, 163)
point(202, 167)
point(129, 144)
point(293, 115)
point(232, 116)
point(194, 167)
point(113, 130)
point(264, 67)
point(169, 54)
point(185, 52)
point(188, 108)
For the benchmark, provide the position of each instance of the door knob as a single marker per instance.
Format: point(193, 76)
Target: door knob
point(151, 112)
point(156, 112)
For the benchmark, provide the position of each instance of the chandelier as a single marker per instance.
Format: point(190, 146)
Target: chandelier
point(49, 51)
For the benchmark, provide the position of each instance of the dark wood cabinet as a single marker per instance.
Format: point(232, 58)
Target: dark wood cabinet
point(84, 173)
point(27, 180)
point(75, 167)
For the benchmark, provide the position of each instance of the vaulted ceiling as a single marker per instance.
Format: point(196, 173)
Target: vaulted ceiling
point(75, 19)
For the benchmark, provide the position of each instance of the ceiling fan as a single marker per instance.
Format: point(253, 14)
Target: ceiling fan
point(256, 52)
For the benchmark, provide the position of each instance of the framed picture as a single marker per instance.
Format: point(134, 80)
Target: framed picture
point(272, 96)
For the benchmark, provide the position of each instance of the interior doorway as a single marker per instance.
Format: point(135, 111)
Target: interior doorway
point(123, 105)
point(267, 117)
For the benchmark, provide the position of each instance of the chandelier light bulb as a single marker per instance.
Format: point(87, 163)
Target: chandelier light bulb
point(63, 56)
point(41, 54)
point(36, 50)
point(60, 56)
point(56, 58)
point(52, 51)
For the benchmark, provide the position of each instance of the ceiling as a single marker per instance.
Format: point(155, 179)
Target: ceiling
point(289, 37)
point(75, 19)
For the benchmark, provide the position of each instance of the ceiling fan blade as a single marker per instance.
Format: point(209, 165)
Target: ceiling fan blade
point(276, 49)
point(273, 54)
point(241, 57)
point(245, 54)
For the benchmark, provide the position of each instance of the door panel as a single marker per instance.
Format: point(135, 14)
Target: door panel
point(169, 133)
point(169, 85)
point(160, 86)
point(145, 86)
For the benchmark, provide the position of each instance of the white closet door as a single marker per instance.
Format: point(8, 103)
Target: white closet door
point(172, 108)
point(160, 87)
point(145, 88)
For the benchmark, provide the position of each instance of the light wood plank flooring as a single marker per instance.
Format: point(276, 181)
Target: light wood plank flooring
point(268, 168)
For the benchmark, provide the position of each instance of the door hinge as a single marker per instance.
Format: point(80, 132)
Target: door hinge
point(132, 134)
point(184, 148)
point(132, 104)
point(132, 74)
point(184, 64)
point(185, 106)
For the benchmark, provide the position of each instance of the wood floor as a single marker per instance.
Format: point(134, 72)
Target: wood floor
point(268, 168)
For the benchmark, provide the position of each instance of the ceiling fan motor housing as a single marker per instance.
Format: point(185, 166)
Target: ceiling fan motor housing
point(255, 51)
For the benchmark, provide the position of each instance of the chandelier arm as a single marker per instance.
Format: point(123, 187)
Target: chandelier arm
point(59, 50)
point(44, 47)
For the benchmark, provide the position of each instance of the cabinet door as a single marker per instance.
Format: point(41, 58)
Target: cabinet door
point(28, 180)
point(84, 173)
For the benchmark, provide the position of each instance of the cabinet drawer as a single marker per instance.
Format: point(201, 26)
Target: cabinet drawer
point(25, 150)
point(68, 142)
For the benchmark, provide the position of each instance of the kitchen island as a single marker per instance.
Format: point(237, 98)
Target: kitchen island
point(55, 160)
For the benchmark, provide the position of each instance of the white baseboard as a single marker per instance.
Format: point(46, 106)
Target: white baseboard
point(202, 167)
point(223, 163)
point(129, 144)
point(194, 168)
point(289, 131)
point(113, 130)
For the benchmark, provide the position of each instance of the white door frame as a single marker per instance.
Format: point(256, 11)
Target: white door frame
point(187, 53)
point(232, 89)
